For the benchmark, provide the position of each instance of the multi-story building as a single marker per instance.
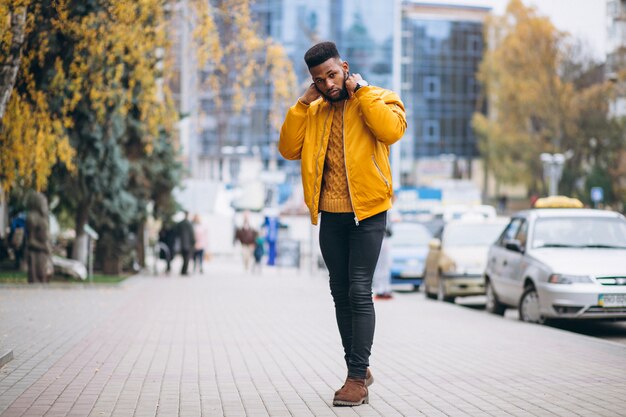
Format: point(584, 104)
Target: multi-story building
point(442, 46)
point(616, 51)
point(364, 37)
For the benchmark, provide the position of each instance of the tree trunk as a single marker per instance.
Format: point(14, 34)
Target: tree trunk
point(8, 68)
point(141, 244)
point(108, 254)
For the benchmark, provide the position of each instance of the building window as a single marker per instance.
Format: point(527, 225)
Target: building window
point(431, 131)
point(207, 142)
point(206, 106)
point(432, 87)
point(473, 88)
point(474, 44)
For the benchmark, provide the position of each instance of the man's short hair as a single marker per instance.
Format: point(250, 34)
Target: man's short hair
point(320, 53)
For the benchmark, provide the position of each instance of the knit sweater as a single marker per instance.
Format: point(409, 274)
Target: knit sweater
point(335, 194)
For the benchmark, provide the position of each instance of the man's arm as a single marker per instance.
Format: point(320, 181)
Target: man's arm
point(383, 112)
point(294, 127)
point(292, 132)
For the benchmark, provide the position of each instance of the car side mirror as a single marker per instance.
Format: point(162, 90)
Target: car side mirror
point(434, 244)
point(514, 245)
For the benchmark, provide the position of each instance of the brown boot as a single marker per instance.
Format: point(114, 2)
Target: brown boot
point(369, 380)
point(353, 393)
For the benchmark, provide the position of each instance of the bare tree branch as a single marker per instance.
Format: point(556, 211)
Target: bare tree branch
point(8, 69)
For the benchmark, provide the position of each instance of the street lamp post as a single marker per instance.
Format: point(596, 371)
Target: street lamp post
point(397, 84)
point(553, 170)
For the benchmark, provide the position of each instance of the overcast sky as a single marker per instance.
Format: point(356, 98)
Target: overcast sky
point(585, 19)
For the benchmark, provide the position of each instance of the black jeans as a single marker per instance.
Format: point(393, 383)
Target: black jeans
point(186, 254)
point(350, 253)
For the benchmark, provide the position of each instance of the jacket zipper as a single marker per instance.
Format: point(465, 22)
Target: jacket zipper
point(318, 157)
point(380, 172)
point(343, 139)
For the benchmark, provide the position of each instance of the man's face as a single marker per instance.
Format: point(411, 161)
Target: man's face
point(330, 77)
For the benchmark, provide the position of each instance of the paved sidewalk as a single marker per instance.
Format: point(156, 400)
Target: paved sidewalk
point(231, 344)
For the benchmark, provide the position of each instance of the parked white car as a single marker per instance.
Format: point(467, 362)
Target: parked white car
point(559, 263)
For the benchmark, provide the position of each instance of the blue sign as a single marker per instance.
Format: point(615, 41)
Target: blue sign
point(597, 194)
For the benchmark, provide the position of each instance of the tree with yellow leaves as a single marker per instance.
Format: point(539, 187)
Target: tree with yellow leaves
point(32, 137)
point(532, 81)
point(529, 105)
point(237, 60)
point(88, 93)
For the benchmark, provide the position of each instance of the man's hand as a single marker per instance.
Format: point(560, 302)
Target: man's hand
point(351, 83)
point(310, 95)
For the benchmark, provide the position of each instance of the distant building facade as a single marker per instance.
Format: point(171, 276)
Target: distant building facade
point(616, 50)
point(442, 46)
point(362, 30)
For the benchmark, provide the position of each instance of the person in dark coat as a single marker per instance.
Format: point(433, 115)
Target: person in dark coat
point(187, 241)
point(167, 237)
point(17, 240)
point(37, 239)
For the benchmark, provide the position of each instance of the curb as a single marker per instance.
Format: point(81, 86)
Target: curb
point(6, 357)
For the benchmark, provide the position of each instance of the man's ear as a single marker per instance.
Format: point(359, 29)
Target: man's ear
point(345, 66)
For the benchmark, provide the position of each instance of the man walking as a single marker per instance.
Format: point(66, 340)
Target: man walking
point(341, 130)
point(187, 241)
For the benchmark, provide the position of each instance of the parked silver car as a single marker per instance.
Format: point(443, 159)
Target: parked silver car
point(559, 263)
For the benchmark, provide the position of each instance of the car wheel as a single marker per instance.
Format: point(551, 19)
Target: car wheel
point(441, 293)
point(529, 309)
point(493, 305)
point(429, 294)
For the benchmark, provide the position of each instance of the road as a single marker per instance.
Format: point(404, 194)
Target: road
point(613, 331)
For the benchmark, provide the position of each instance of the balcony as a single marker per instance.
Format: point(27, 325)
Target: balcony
point(615, 62)
point(616, 10)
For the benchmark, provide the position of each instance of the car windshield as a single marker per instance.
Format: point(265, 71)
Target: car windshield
point(586, 232)
point(404, 235)
point(472, 234)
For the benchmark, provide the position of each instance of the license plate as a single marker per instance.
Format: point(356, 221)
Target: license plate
point(612, 300)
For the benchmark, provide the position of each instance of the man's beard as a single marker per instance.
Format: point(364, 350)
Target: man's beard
point(342, 95)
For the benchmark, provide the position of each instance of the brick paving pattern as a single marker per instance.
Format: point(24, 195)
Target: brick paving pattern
point(230, 344)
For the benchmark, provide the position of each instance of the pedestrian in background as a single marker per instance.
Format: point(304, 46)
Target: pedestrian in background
point(38, 251)
point(167, 239)
point(341, 130)
point(271, 224)
point(246, 235)
point(17, 239)
point(259, 251)
point(187, 241)
point(200, 237)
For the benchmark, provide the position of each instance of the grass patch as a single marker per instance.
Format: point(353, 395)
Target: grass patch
point(17, 277)
point(108, 279)
point(13, 277)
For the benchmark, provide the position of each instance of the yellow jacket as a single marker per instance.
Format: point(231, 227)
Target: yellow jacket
point(374, 119)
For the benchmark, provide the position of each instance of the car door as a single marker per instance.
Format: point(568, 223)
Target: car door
point(432, 262)
point(498, 262)
point(512, 271)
